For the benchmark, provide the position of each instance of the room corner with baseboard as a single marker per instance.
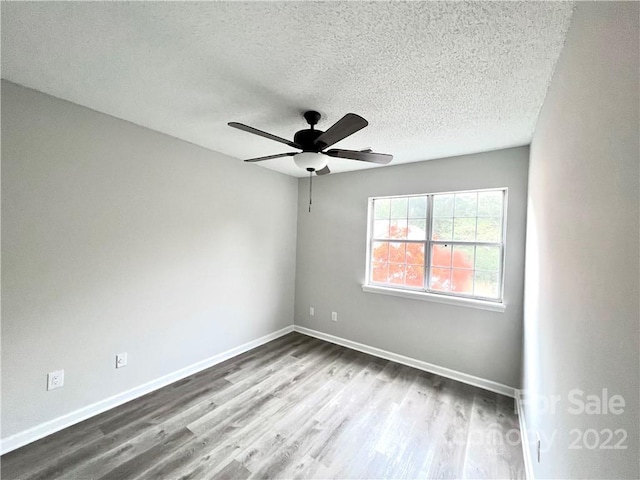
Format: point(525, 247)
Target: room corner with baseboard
point(152, 263)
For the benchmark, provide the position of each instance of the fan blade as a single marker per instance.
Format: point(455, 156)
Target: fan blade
point(323, 171)
point(381, 158)
point(347, 125)
point(259, 159)
point(255, 131)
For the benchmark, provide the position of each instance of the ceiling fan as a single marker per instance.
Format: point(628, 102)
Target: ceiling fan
point(314, 143)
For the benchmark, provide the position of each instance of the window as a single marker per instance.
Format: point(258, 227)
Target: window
point(447, 243)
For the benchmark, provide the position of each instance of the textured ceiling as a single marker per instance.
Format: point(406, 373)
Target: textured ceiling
point(433, 79)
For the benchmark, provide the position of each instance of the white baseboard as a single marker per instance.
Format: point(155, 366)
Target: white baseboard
point(412, 362)
point(47, 428)
point(524, 439)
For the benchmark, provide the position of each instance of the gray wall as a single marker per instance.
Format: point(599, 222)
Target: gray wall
point(120, 239)
point(582, 276)
point(331, 267)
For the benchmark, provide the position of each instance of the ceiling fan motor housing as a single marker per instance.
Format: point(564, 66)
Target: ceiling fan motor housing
point(306, 139)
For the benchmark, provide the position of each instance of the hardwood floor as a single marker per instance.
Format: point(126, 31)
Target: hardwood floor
point(296, 407)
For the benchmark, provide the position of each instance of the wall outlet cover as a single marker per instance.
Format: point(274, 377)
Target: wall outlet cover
point(121, 360)
point(312, 311)
point(334, 316)
point(55, 379)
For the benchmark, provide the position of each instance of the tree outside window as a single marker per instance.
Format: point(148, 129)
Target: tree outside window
point(444, 243)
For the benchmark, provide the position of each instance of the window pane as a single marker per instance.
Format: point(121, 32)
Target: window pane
point(441, 255)
point(463, 256)
point(462, 281)
point(442, 229)
point(399, 207)
point(443, 205)
point(379, 272)
point(486, 284)
point(398, 229)
point(397, 252)
point(489, 229)
point(466, 248)
point(418, 207)
point(414, 276)
point(490, 204)
point(441, 279)
point(464, 229)
point(466, 204)
point(417, 229)
point(396, 273)
point(415, 253)
point(381, 229)
point(381, 208)
point(380, 252)
point(488, 258)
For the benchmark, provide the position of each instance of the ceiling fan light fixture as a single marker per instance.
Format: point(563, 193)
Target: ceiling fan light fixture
point(310, 161)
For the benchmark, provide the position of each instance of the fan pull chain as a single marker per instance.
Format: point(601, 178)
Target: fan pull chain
point(310, 187)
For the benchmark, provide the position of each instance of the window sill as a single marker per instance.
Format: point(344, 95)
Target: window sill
point(432, 297)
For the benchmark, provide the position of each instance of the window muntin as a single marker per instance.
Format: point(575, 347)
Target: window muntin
point(444, 243)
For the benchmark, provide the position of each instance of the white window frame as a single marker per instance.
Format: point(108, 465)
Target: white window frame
point(494, 304)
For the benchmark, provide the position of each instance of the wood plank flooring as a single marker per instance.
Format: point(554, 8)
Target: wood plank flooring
point(294, 408)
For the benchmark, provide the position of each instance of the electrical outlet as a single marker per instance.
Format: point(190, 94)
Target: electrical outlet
point(538, 446)
point(55, 380)
point(121, 360)
point(334, 316)
point(312, 312)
